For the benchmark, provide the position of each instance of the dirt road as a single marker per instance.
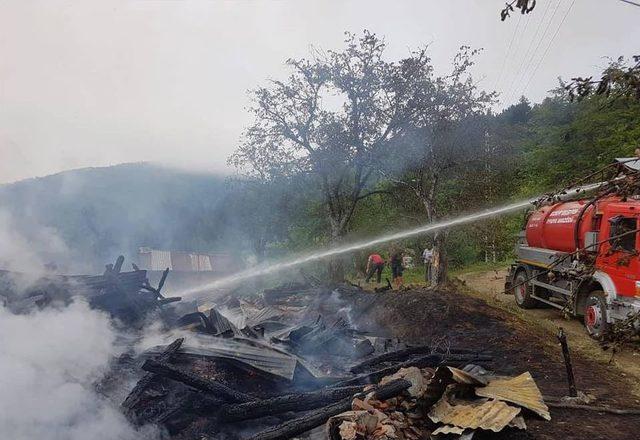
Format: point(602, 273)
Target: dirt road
point(489, 286)
point(471, 320)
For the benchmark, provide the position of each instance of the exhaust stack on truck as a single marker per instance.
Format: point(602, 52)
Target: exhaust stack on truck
point(582, 256)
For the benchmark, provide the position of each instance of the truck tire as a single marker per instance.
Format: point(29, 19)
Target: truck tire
point(595, 314)
point(522, 291)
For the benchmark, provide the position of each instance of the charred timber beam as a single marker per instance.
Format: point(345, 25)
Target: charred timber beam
point(562, 338)
point(186, 410)
point(135, 394)
point(163, 279)
point(282, 404)
point(118, 266)
point(193, 380)
point(303, 424)
point(163, 301)
point(403, 354)
point(431, 360)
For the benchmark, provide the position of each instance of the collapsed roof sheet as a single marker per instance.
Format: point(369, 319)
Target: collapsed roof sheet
point(521, 390)
point(492, 415)
point(249, 352)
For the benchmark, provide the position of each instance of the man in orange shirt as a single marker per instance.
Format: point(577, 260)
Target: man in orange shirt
point(375, 264)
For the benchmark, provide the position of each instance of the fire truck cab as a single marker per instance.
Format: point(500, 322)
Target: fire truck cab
point(583, 257)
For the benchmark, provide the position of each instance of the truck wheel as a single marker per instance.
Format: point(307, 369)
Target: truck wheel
point(522, 291)
point(595, 314)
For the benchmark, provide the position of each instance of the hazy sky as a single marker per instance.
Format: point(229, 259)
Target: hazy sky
point(93, 83)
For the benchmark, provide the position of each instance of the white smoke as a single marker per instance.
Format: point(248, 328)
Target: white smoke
point(27, 253)
point(49, 361)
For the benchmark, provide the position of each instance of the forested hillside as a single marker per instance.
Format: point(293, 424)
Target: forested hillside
point(80, 220)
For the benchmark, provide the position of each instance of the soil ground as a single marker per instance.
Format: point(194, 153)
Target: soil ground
point(472, 319)
point(489, 286)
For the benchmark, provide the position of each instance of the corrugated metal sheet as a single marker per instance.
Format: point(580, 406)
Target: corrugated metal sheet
point(521, 390)
point(448, 429)
point(204, 263)
point(465, 377)
point(220, 322)
point(256, 355)
point(492, 415)
point(518, 422)
point(160, 260)
point(153, 259)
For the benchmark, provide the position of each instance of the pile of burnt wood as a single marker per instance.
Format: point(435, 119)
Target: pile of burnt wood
point(288, 362)
point(277, 367)
point(126, 296)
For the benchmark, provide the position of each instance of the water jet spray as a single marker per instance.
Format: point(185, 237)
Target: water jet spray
point(339, 250)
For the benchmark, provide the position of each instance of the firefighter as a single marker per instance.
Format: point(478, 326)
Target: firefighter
point(375, 264)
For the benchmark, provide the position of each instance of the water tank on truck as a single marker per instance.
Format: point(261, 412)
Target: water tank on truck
point(556, 227)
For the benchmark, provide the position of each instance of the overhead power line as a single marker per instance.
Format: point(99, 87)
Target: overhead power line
point(526, 58)
point(531, 61)
point(631, 3)
point(506, 55)
point(548, 46)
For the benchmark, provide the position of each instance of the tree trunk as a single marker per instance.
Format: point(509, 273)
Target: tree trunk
point(335, 267)
point(440, 267)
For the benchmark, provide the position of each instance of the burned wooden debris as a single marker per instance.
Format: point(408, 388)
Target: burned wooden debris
point(126, 296)
point(279, 364)
point(273, 367)
point(133, 397)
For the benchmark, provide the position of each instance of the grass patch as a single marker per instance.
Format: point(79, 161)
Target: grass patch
point(480, 266)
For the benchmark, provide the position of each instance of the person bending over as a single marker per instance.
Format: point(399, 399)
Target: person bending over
point(375, 264)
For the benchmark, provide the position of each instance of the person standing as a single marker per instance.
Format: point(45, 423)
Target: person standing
point(427, 257)
point(375, 264)
point(396, 267)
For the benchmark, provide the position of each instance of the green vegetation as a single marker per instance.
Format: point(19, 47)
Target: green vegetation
point(429, 169)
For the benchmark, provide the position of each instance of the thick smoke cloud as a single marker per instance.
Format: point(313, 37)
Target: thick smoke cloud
point(49, 361)
point(27, 253)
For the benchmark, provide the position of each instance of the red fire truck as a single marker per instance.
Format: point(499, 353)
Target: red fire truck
point(582, 256)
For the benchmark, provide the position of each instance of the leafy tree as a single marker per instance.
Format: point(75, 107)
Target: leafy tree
point(445, 142)
point(618, 80)
point(332, 118)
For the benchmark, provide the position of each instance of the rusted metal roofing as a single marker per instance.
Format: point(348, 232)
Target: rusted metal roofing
point(491, 415)
point(521, 390)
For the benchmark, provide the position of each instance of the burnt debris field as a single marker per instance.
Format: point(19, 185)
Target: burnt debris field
point(311, 360)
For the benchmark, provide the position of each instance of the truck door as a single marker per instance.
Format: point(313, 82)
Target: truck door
point(618, 257)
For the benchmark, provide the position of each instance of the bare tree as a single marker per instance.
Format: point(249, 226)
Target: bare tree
point(333, 118)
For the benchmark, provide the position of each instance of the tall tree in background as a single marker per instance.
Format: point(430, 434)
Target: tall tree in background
point(333, 118)
point(448, 137)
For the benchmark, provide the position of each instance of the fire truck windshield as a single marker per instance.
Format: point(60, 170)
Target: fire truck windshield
point(620, 225)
